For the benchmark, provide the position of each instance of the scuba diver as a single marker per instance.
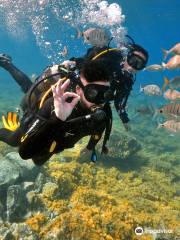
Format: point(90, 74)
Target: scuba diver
point(121, 68)
point(59, 109)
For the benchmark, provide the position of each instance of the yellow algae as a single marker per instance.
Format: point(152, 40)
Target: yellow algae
point(36, 222)
point(103, 201)
point(108, 203)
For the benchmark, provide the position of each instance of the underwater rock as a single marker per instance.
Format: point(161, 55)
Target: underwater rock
point(50, 190)
point(39, 181)
point(22, 231)
point(15, 203)
point(31, 196)
point(125, 146)
point(28, 186)
point(13, 170)
point(9, 174)
point(1, 211)
point(33, 200)
point(28, 170)
point(5, 233)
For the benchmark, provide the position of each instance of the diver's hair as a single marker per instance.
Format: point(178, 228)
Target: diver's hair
point(136, 47)
point(95, 70)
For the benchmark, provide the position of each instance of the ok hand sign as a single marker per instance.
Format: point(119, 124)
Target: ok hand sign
point(62, 108)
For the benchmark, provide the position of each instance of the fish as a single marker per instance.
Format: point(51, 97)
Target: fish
point(172, 125)
point(145, 110)
point(175, 50)
point(64, 52)
point(151, 90)
point(154, 68)
point(173, 63)
point(173, 83)
point(170, 110)
point(95, 36)
point(172, 95)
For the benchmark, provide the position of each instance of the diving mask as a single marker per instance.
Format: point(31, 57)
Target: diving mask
point(136, 61)
point(96, 93)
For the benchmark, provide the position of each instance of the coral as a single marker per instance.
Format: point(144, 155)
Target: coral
point(36, 222)
point(105, 203)
point(135, 185)
point(126, 145)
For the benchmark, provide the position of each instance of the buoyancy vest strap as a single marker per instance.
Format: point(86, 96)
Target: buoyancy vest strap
point(48, 92)
point(104, 52)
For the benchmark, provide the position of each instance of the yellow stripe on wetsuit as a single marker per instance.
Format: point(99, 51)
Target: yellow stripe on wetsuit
point(104, 52)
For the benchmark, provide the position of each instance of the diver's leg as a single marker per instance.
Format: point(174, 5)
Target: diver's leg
point(41, 159)
point(9, 137)
point(21, 78)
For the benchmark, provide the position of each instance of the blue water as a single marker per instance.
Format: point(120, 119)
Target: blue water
point(154, 24)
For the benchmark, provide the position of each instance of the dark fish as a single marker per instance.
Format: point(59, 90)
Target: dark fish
point(145, 110)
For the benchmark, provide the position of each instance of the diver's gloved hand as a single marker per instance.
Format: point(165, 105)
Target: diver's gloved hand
point(62, 108)
point(69, 64)
point(5, 59)
point(127, 126)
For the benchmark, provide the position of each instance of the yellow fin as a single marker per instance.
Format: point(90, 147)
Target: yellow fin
point(6, 125)
point(15, 119)
point(11, 121)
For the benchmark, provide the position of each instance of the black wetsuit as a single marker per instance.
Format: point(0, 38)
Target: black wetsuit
point(21, 78)
point(121, 81)
point(41, 134)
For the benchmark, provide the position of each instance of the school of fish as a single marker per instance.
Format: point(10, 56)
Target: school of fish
point(171, 110)
point(172, 64)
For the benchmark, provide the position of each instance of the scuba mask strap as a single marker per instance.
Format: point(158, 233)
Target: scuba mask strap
point(109, 42)
point(131, 39)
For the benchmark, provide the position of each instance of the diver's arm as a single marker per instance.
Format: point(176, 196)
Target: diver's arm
point(121, 107)
point(81, 60)
point(19, 76)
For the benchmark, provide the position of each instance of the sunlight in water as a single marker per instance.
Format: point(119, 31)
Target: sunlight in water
point(47, 18)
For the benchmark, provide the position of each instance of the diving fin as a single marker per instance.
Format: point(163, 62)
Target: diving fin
point(94, 156)
point(11, 121)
